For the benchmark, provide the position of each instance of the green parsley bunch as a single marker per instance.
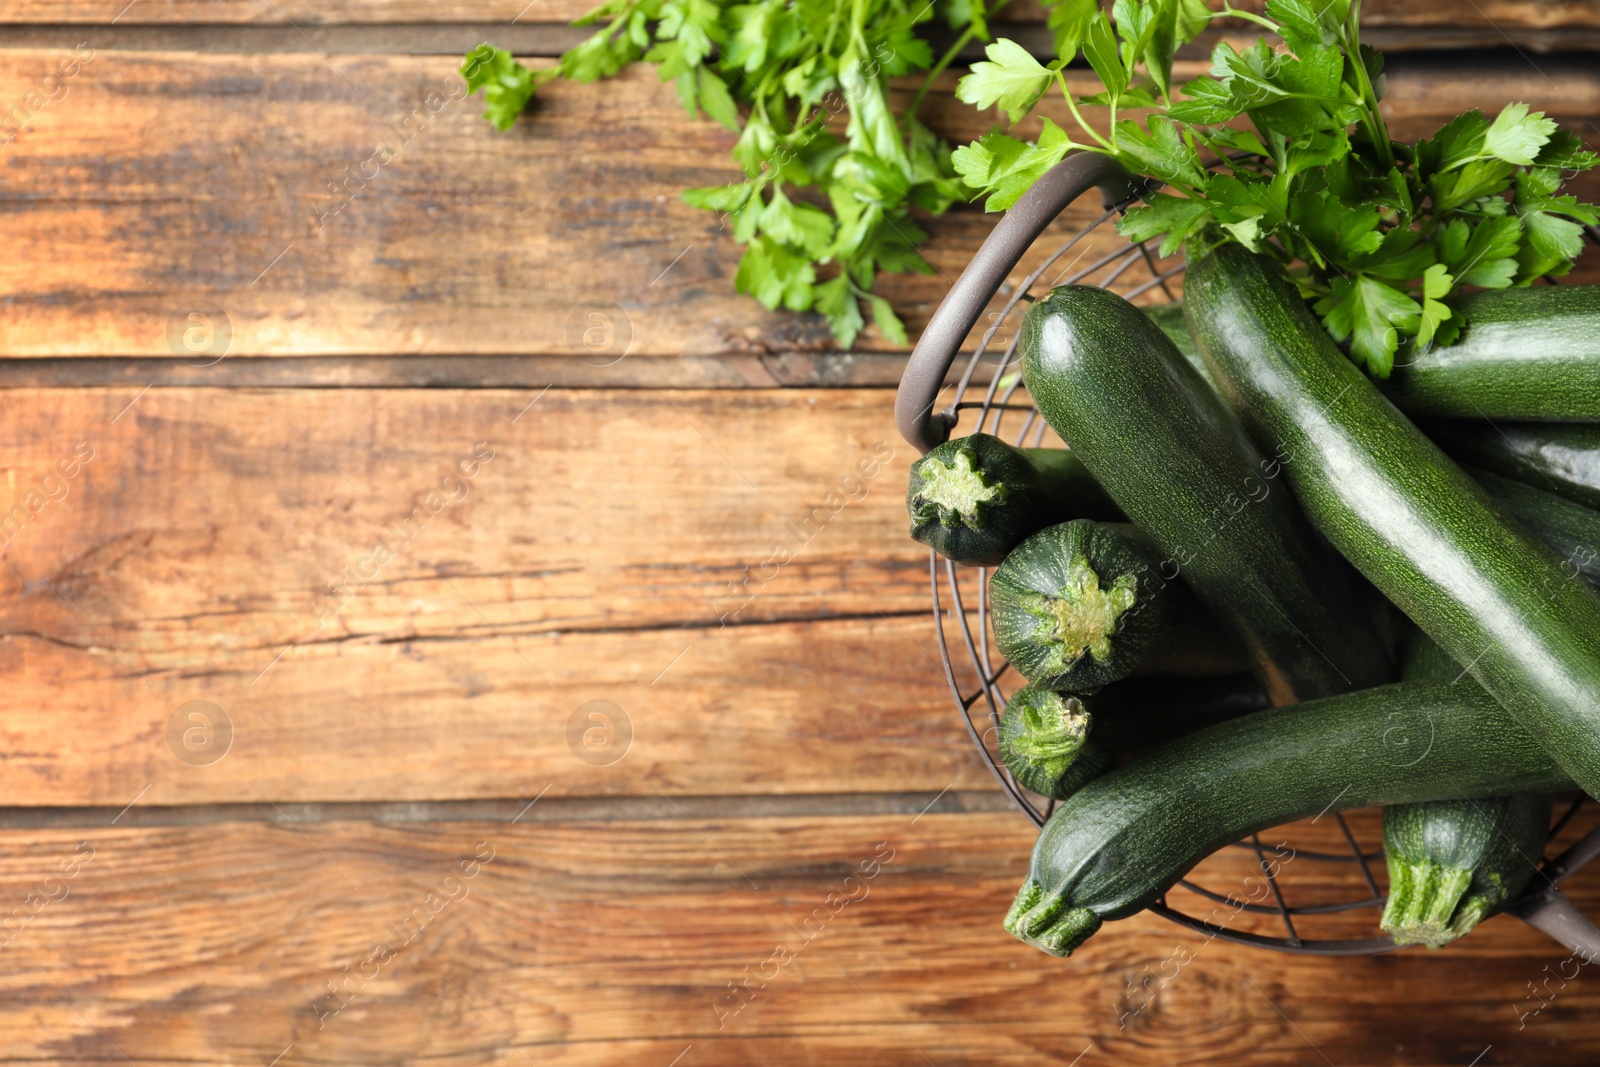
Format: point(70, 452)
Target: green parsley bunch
point(778, 72)
point(1378, 234)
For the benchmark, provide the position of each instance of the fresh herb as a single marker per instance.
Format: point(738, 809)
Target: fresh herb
point(1378, 234)
point(819, 215)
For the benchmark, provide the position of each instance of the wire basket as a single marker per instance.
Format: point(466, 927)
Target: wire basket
point(1343, 871)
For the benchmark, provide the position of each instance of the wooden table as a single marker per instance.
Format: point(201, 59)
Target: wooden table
point(397, 679)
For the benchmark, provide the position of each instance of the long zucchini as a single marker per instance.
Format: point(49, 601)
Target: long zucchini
point(1454, 862)
point(1122, 840)
point(1571, 529)
point(1492, 596)
point(1055, 743)
point(1083, 604)
point(1563, 458)
point(1529, 353)
point(974, 498)
point(1165, 448)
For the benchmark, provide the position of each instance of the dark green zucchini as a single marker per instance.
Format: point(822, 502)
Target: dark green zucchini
point(1083, 604)
point(1563, 458)
point(1121, 841)
point(1170, 318)
point(1488, 591)
point(1571, 529)
point(1166, 449)
point(1454, 862)
point(1054, 743)
point(974, 498)
point(1045, 743)
point(1529, 353)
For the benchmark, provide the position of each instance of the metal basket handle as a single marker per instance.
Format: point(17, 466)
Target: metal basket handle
point(1002, 250)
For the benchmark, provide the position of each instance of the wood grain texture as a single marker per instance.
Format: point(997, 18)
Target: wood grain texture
point(163, 183)
point(753, 555)
point(1507, 14)
point(613, 943)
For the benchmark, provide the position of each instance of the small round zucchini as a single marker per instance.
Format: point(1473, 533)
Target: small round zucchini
point(1081, 605)
point(974, 498)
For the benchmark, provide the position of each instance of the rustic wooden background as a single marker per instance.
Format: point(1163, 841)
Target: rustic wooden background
point(411, 768)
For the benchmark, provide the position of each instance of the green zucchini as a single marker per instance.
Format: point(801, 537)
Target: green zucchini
point(974, 498)
point(1454, 862)
point(1529, 353)
point(1571, 529)
point(1487, 590)
point(1165, 448)
point(1563, 458)
point(1045, 744)
point(1054, 743)
point(1116, 845)
point(1081, 605)
point(1170, 318)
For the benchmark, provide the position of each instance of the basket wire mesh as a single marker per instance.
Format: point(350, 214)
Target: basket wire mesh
point(1005, 411)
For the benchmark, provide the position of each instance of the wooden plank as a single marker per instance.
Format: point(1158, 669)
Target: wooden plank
point(1412, 31)
point(735, 576)
point(1504, 14)
point(468, 241)
point(617, 943)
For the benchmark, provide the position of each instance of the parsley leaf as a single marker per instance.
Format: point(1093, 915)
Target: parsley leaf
point(1370, 315)
point(1011, 80)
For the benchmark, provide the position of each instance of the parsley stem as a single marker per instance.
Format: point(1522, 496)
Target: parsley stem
point(1377, 129)
point(1072, 106)
point(950, 55)
point(1230, 11)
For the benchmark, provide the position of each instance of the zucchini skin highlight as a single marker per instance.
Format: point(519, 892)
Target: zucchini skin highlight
point(1528, 353)
point(1561, 458)
point(1082, 604)
point(1117, 844)
point(1163, 445)
point(1487, 590)
point(1454, 862)
point(974, 498)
